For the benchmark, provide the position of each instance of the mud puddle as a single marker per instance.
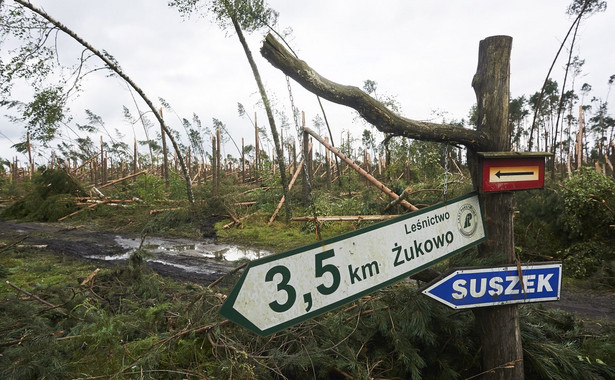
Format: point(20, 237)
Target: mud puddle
point(196, 257)
point(185, 259)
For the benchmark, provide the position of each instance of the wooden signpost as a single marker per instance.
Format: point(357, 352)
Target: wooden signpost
point(279, 291)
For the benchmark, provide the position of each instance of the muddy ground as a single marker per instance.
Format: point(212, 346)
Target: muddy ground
point(84, 243)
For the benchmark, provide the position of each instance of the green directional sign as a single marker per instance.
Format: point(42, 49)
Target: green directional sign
point(281, 290)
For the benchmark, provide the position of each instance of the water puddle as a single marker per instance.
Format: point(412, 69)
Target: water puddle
point(184, 254)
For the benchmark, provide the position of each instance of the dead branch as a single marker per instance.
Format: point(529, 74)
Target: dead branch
point(227, 274)
point(90, 207)
point(232, 222)
point(250, 203)
point(158, 211)
point(35, 297)
point(15, 243)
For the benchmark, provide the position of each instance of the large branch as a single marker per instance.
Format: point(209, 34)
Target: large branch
point(370, 109)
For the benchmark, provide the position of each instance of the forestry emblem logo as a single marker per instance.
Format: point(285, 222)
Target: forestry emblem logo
point(467, 220)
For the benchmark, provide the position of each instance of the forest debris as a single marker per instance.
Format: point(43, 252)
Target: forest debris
point(90, 277)
point(250, 203)
point(85, 208)
point(34, 296)
point(404, 194)
point(100, 194)
point(123, 179)
point(360, 170)
point(232, 222)
point(228, 274)
point(347, 218)
point(34, 246)
point(290, 186)
point(158, 211)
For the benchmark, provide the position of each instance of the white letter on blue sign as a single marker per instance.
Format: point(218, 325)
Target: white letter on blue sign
point(459, 287)
point(483, 287)
point(543, 282)
point(496, 288)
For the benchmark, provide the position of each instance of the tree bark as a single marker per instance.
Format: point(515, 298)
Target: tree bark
point(370, 109)
point(498, 326)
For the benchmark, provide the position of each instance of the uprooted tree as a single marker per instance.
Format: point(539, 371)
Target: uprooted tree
point(498, 326)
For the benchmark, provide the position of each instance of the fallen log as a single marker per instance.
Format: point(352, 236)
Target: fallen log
point(122, 179)
point(360, 170)
point(158, 211)
point(350, 218)
point(90, 207)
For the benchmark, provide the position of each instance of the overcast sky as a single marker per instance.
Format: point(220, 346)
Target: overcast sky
point(423, 53)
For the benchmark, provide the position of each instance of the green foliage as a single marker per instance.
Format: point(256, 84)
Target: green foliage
point(555, 346)
point(150, 187)
point(538, 221)
point(571, 222)
point(587, 259)
point(44, 114)
point(118, 326)
point(32, 61)
point(50, 197)
point(589, 201)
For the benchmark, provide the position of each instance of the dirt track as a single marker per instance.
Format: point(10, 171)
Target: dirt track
point(92, 246)
point(84, 244)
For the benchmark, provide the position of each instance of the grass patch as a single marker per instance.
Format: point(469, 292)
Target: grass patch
point(278, 237)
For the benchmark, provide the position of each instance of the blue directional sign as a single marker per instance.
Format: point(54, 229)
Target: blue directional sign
point(476, 287)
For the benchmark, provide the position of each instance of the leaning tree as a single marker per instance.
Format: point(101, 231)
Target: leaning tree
point(112, 65)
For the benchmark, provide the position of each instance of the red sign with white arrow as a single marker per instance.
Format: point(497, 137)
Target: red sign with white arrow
point(518, 173)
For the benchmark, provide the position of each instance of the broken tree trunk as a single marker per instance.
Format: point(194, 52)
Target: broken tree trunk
point(401, 197)
point(290, 186)
point(360, 170)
